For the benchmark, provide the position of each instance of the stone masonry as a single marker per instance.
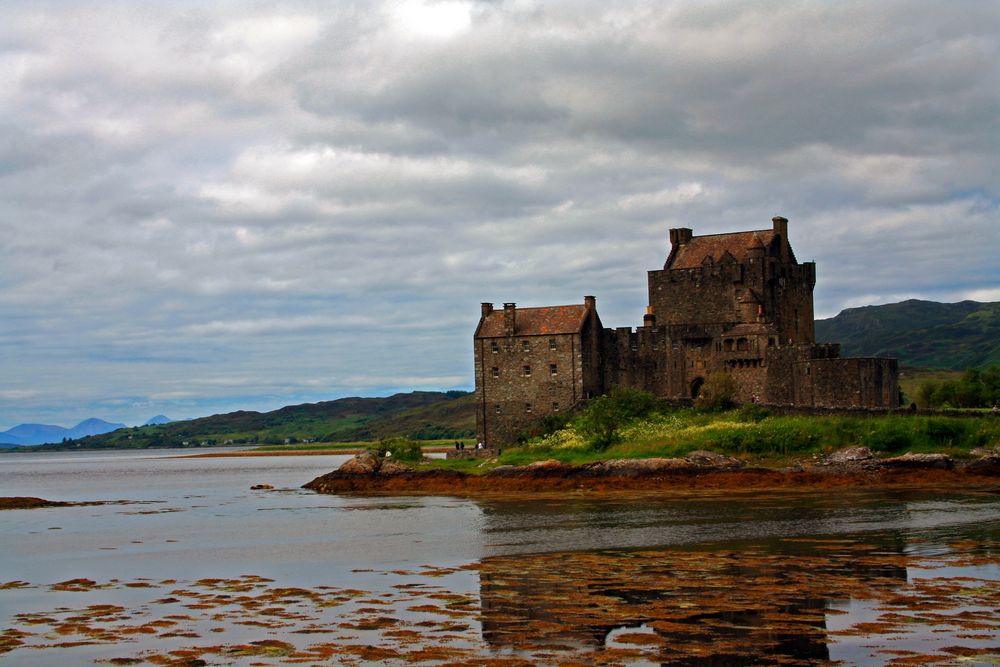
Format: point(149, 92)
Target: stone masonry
point(739, 303)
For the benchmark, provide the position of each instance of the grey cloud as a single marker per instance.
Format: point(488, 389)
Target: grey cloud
point(208, 207)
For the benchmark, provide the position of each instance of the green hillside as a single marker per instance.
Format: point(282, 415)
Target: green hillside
point(421, 415)
point(919, 333)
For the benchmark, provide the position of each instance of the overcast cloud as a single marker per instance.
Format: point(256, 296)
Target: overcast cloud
point(215, 206)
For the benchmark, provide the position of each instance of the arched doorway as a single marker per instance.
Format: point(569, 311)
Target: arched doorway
point(696, 386)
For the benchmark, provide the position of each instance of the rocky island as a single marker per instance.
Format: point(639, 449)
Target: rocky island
point(371, 473)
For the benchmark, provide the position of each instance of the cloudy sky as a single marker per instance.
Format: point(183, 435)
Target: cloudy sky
point(215, 206)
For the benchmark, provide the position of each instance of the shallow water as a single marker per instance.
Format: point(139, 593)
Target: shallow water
point(199, 566)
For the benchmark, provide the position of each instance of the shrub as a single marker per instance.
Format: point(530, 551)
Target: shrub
point(402, 449)
point(889, 435)
point(945, 431)
point(718, 392)
point(545, 426)
point(605, 415)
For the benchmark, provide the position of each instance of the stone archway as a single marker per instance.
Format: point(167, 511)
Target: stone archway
point(696, 386)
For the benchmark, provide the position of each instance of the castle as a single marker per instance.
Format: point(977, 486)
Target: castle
point(738, 302)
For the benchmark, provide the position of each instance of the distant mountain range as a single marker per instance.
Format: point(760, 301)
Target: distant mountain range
point(926, 334)
point(422, 415)
point(158, 419)
point(37, 434)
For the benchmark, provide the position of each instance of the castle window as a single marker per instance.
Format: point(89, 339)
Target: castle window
point(527, 407)
point(553, 370)
point(771, 342)
point(552, 343)
point(555, 407)
point(634, 344)
point(742, 345)
point(496, 372)
point(728, 345)
point(527, 371)
point(496, 408)
point(494, 347)
point(526, 346)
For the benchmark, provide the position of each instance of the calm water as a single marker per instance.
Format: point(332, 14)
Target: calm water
point(516, 570)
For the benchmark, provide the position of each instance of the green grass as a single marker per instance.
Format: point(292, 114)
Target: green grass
point(751, 434)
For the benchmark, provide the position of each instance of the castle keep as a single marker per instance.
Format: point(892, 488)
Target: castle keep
point(739, 303)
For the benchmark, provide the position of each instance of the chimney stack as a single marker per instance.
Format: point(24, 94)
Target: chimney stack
point(781, 227)
point(680, 236)
point(590, 302)
point(487, 308)
point(649, 319)
point(509, 310)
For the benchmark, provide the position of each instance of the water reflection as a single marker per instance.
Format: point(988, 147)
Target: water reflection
point(725, 605)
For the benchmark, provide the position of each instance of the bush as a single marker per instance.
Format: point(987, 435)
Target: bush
point(890, 435)
point(402, 449)
point(604, 416)
point(945, 431)
point(976, 389)
point(718, 392)
point(545, 426)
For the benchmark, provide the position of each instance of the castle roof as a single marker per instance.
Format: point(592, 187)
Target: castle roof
point(692, 254)
point(547, 320)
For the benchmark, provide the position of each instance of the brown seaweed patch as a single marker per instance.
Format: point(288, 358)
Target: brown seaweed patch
point(75, 585)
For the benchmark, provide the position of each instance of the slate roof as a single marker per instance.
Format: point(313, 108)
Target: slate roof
point(692, 254)
point(548, 320)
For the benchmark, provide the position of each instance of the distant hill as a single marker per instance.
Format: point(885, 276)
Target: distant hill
point(919, 333)
point(37, 434)
point(422, 415)
point(158, 419)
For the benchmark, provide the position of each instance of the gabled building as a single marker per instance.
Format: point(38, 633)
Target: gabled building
point(739, 303)
point(531, 362)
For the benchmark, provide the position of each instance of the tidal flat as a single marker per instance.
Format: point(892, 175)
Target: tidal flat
point(197, 569)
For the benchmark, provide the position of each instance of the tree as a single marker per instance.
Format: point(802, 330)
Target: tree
point(605, 415)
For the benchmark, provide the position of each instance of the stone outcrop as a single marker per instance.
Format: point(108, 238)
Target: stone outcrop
point(921, 461)
point(850, 455)
point(367, 462)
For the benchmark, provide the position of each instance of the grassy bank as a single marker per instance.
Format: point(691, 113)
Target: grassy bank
point(753, 433)
point(748, 433)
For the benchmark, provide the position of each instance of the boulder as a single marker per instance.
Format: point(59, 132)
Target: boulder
point(546, 464)
point(261, 487)
point(367, 462)
point(911, 460)
point(636, 467)
point(850, 455)
point(701, 457)
point(982, 452)
point(393, 467)
point(985, 465)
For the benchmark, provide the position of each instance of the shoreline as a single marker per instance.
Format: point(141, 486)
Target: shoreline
point(660, 475)
point(352, 451)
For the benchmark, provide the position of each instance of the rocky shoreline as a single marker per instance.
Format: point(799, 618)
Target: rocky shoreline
point(858, 467)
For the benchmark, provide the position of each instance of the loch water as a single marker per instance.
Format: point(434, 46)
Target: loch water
point(195, 566)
